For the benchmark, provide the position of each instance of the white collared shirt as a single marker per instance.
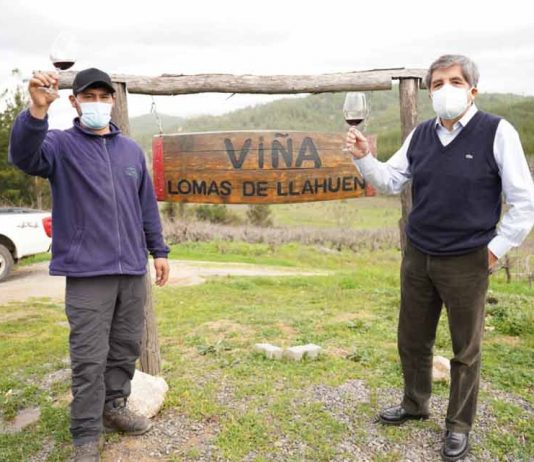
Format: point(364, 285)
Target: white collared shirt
point(517, 185)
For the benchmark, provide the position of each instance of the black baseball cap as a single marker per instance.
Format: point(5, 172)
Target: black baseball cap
point(89, 78)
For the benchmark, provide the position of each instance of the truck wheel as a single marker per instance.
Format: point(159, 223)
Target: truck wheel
point(6, 262)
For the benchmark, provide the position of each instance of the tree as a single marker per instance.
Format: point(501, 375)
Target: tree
point(16, 187)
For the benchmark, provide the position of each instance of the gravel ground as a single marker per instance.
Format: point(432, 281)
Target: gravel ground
point(350, 404)
point(353, 404)
point(367, 438)
point(45, 451)
point(172, 435)
point(420, 442)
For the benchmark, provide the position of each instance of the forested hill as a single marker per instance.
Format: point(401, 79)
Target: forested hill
point(324, 113)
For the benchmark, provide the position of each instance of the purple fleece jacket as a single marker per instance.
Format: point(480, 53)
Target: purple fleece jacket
point(104, 214)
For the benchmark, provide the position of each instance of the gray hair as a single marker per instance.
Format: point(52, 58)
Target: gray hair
point(469, 68)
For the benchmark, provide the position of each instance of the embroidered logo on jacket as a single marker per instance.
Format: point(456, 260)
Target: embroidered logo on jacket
point(131, 171)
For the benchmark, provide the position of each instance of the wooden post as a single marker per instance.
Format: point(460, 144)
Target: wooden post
point(408, 115)
point(119, 114)
point(150, 355)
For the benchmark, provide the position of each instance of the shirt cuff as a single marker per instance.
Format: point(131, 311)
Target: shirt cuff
point(499, 246)
point(365, 163)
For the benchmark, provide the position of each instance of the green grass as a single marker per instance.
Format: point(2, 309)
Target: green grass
point(37, 258)
point(33, 344)
point(207, 333)
point(515, 427)
point(289, 255)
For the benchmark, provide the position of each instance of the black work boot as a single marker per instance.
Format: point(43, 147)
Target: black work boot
point(88, 452)
point(117, 417)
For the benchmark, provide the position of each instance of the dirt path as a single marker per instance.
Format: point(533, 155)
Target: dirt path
point(34, 280)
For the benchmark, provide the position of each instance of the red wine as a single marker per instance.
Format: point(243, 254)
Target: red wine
point(354, 122)
point(63, 65)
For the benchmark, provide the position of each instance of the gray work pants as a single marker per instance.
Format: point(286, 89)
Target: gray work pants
point(106, 317)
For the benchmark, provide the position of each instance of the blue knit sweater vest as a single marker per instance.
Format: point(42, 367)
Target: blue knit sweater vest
point(456, 189)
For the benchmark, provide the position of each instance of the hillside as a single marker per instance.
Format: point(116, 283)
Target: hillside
point(323, 113)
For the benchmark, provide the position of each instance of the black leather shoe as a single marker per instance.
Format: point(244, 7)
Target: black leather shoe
point(455, 446)
point(397, 415)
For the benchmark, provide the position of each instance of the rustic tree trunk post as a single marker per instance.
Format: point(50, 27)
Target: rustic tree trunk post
point(119, 114)
point(150, 355)
point(408, 115)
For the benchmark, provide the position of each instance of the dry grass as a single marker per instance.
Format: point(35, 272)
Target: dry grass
point(178, 231)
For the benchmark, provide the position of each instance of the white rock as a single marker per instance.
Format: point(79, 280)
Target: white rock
point(441, 369)
point(312, 351)
point(148, 394)
point(296, 353)
point(270, 351)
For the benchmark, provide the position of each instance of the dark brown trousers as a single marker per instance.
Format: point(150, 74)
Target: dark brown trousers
point(427, 283)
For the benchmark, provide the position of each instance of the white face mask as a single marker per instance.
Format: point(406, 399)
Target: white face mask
point(95, 115)
point(449, 102)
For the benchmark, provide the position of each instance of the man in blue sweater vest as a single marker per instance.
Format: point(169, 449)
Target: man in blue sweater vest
point(460, 165)
point(105, 221)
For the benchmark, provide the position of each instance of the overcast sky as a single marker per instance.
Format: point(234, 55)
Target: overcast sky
point(152, 37)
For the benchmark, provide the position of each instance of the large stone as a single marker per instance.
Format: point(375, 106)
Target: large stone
point(148, 394)
point(441, 369)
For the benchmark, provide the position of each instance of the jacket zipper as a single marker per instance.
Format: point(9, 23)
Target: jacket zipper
point(115, 200)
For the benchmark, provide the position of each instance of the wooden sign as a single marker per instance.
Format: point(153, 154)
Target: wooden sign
point(253, 167)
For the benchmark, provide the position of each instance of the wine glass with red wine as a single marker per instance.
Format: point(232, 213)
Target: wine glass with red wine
point(355, 110)
point(63, 53)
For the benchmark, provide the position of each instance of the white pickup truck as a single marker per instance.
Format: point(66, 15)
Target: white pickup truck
point(23, 232)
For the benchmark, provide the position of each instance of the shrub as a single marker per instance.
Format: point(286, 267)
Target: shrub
point(216, 214)
point(512, 315)
point(259, 215)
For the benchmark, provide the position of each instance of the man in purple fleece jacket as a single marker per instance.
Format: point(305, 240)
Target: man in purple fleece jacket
point(105, 221)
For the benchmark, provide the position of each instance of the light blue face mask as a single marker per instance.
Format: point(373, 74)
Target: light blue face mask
point(95, 115)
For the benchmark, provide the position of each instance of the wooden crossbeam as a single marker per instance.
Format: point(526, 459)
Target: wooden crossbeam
point(177, 84)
